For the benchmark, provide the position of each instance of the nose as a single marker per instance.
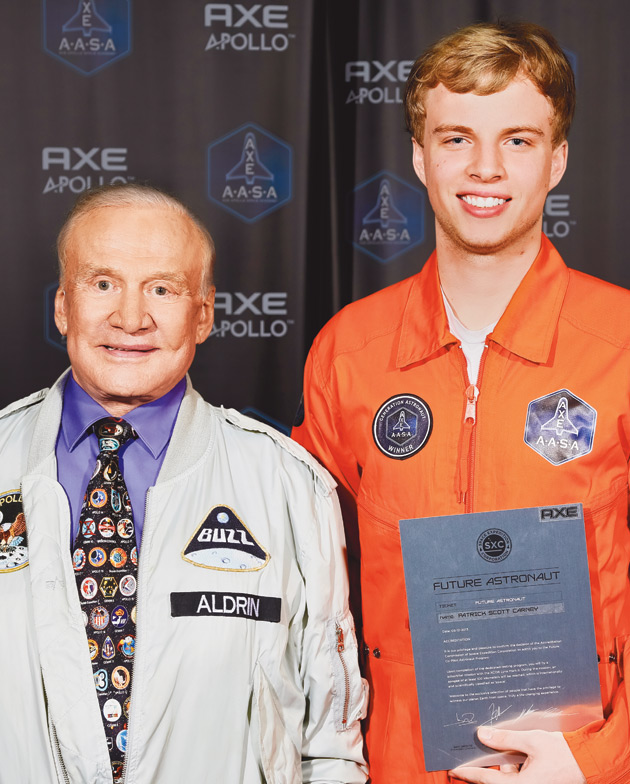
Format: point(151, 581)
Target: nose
point(486, 163)
point(131, 314)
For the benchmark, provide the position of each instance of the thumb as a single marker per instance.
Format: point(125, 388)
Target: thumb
point(502, 740)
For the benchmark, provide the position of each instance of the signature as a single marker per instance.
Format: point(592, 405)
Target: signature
point(495, 713)
point(465, 718)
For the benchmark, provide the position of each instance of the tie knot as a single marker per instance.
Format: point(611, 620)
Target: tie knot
point(113, 433)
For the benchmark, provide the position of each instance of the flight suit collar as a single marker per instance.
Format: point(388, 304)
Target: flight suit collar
point(526, 328)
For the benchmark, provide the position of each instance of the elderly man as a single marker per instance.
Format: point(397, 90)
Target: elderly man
point(174, 607)
point(481, 347)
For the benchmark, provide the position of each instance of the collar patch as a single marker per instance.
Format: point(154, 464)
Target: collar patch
point(225, 543)
point(560, 426)
point(13, 538)
point(402, 426)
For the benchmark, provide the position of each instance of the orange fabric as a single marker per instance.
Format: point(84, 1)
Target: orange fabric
point(562, 330)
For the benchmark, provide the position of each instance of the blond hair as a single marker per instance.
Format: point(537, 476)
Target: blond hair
point(483, 59)
point(134, 194)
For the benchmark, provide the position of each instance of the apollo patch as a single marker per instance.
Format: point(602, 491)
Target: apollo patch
point(402, 426)
point(13, 538)
point(225, 543)
point(560, 426)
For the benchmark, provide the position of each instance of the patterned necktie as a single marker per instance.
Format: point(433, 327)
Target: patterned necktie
point(105, 561)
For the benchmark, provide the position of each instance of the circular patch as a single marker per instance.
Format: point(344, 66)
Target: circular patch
point(109, 472)
point(127, 585)
point(116, 501)
point(494, 545)
point(402, 426)
point(121, 740)
point(93, 649)
point(88, 527)
point(120, 678)
point(99, 617)
point(97, 556)
point(106, 527)
point(120, 616)
point(134, 556)
point(125, 528)
point(89, 588)
point(118, 557)
point(78, 559)
point(98, 498)
point(112, 710)
point(127, 646)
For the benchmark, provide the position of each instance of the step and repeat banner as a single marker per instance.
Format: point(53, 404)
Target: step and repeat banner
point(280, 124)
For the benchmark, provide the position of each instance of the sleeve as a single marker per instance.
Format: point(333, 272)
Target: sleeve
point(321, 429)
point(336, 695)
point(602, 748)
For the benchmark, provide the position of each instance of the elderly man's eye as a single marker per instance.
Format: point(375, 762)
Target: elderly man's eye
point(103, 285)
point(160, 290)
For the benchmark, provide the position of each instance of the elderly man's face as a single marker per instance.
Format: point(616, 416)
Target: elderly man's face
point(131, 303)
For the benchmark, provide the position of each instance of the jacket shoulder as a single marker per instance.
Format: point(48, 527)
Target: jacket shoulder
point(23, 403)
point(365, 320)
point(323, 480)
point(598, 307)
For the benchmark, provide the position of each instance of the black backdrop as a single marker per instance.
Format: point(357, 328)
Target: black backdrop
point(280, 124)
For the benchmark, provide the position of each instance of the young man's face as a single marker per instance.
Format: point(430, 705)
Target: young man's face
point(488, 163)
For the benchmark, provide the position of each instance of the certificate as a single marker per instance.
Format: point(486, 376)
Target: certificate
point(502, 627)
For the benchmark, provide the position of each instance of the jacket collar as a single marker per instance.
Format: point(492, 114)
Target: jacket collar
point(526, 328)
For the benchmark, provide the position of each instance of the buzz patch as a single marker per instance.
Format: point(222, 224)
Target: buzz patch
point(225, 543)
point(13, 535)
point(228, 605)
point(560, 427)
point(402, 426)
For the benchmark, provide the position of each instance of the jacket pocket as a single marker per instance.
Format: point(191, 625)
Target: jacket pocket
point(280, 760)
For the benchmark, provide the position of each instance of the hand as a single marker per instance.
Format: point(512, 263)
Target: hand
point(548, 759)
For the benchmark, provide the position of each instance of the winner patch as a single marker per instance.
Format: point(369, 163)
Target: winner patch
point(13, 539)
point(225, 543)
point(402, 426)
point(560, 427)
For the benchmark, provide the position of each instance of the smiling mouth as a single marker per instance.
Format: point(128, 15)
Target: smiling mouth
point(484, 202)
point(131, 349)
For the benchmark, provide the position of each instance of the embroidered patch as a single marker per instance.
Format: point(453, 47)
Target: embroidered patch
point(235, 605)
point(13, 538)
point(560, 426)
point(402, 426)
point(224, 542)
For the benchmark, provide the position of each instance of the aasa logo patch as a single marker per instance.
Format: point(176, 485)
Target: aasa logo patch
point(560, 426)
point(13, 539)
point(225, 543)
point(402, 426)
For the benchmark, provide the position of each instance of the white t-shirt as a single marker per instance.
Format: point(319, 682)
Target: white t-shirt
point(472, 341)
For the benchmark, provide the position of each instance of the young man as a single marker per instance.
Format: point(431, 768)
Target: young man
point(223, 534)
point(493, 332)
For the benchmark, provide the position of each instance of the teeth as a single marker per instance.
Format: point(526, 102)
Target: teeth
point(479, 201)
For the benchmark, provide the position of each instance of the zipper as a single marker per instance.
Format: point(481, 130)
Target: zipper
point(340, 650)
point(468, 436)
point(60, 761)
point(139, 615)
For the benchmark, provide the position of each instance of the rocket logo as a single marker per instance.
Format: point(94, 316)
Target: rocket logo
point(387, 216)
point(402, 426)
point(250, 172)
point(560, 427)
point(87, 35)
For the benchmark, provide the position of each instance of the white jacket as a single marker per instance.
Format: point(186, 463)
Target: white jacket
point(219, 695)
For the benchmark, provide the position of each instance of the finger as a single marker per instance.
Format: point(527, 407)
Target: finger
point(504, 740)
point(509, 768)
point(483, 775)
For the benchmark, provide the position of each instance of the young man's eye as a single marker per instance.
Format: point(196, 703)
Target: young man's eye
point(518, 142)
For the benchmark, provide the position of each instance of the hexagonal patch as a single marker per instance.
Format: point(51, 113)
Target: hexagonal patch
point(402, 426)
point(87, 35)
point(388, 216)
point(250, 172)
point(560, 426)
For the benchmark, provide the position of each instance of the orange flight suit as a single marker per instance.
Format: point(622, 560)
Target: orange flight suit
point(563, 346)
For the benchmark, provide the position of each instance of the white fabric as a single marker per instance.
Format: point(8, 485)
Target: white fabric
point(215, 698)
point(472, 341)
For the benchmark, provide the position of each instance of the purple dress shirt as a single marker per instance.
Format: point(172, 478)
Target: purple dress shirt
point(140, 459)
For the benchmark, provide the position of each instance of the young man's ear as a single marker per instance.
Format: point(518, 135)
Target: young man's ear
point(558, 163)
point(418, 161)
